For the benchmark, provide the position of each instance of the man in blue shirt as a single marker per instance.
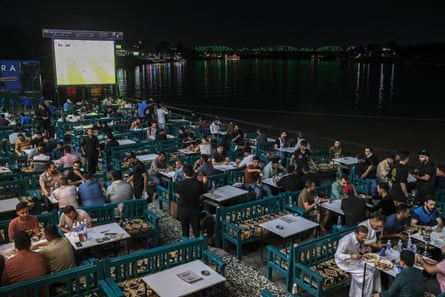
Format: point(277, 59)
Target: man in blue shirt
point(90, 192)
point(396, 221)
point(427, 215)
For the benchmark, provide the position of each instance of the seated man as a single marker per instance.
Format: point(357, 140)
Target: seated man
point(75, 176)
point(26, 264)
point(396, 222)
point(72, 215)
point(119, 190)
point(90, 192)
point(252, 176)
point(427, 215)
point(48, 181)
point(58, 151)
point(57, 250)
point(374, 226)
point(409, 282)
point(158, 164)
point(337, 187)
point(348, 258)
point(66, 194)
point(23, 222)
point(219, 157)
point(289, 182)
point(68, 158)
point(309, 201)
point(354, 208)
point(40, 160)
point(22, 143)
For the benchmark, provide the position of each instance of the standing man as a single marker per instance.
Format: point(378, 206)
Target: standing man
point(425, 176)
point(348, 258)
point(398, 176)
point(90, 150)
point(139, 176)
point(189, 193)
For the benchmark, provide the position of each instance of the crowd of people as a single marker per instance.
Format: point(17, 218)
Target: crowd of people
point(400, 196)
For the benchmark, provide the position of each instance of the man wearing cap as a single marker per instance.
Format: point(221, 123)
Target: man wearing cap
point(425, 176)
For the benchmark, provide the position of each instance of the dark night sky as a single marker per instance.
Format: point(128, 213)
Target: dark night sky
point(238, 23)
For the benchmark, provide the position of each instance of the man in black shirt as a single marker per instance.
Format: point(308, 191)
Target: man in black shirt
point(399, 179)
point(425, 176)
point(189, 193)
point(289, 182)
point(91, 150)
point(386, 204)
point(139, 176)
point(354, 208)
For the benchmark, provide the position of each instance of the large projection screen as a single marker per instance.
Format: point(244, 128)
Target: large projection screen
point(84, 62)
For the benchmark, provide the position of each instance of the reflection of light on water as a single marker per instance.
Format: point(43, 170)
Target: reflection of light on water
point(357, 86)
point(391, 87)
point(381, 93)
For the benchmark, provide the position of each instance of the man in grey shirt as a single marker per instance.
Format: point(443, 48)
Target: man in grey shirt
point(119, 190)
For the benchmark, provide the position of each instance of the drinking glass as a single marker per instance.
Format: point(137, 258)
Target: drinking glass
point(427, 239)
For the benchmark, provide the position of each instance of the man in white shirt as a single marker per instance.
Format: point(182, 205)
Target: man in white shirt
point(162, 112)
point(348, 257)
point(247, 159)
point(374, 225)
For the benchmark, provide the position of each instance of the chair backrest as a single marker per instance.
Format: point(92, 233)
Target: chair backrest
point(101, 214)
point(13, 188)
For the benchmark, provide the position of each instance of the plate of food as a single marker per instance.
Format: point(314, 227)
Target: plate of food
point(371, 258)
point(384, 264)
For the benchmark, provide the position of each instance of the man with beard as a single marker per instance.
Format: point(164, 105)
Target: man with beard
point(23, 222)
point(427, 215)
point(399, 179)
point(425, 176)
point(139, 176)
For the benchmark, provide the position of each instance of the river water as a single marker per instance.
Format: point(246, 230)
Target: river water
point(388, 106)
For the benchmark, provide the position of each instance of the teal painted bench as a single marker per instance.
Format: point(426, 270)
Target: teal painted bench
point(281, 260)
point(127, 271)
point(135, 212)
point(240, 223)
point(85, 280)
point(314, 268)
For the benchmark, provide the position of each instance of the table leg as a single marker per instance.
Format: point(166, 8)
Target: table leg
point(364, 279)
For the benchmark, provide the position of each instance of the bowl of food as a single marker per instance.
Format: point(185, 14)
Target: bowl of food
point(384, 264)
point(371, 258)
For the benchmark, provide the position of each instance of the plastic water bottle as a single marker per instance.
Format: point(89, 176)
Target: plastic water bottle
point(290, 201)
point(294, 289)
point(399, 245)
point(7, 165)
point(213, 187)
point(339, 221)
point(388, 245)
point(414, 249)
point(85, 229)
point(409, 245)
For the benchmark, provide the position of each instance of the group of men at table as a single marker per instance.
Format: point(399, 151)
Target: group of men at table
point(388, 222)
point(39, 252)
